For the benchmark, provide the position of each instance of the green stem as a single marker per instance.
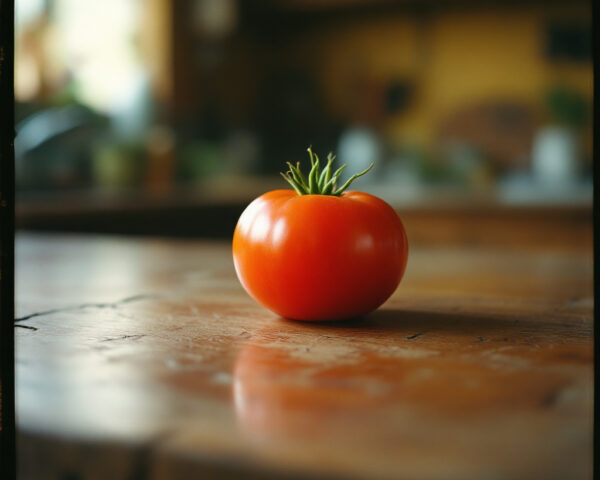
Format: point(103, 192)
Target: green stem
point(341, 190)
point(313, 185)
point(326, 173)
point(319, 182)
point(297, 177)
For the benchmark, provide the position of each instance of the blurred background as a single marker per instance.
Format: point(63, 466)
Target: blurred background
point(167, 117)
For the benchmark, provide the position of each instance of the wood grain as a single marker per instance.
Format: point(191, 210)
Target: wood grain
point(146, 359)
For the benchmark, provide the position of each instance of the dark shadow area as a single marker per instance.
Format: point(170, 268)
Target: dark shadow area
point(416, 324)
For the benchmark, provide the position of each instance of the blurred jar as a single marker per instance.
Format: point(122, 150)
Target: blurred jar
point(242, 151)
point(358, 148)
point(117, 166)
point(201, 160)
point(160, 145)
point(555, 156)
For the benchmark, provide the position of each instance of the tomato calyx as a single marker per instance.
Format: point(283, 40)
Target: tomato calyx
point(319, 182)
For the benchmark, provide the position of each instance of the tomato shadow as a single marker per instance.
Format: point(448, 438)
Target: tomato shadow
point(412, 324)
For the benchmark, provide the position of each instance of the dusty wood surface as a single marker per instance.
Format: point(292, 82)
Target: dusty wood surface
point(145, 359)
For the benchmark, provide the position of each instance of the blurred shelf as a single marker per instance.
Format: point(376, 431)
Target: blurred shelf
point(498, 197)
point(433, 215)
point(387, 6)
point(235, 191)
point(217, 192)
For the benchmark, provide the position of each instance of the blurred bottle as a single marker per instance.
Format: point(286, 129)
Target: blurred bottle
point(555, 156)
point(161, 160)
point(242, 150)
point(358, 148)
point(117, 165)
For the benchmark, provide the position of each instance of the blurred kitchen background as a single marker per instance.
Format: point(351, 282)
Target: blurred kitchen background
point(166, 117)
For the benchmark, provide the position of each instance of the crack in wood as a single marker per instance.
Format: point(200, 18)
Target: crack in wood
point(414, 336)
point(28, 327)
point(124, 337)
point(131, 299)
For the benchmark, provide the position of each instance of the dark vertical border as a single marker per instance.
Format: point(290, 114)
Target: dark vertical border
point(7, 258)
point(596, 174)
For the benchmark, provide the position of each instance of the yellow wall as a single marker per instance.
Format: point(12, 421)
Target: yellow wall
point(455, 57)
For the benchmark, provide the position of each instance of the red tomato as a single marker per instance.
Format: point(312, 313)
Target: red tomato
point(319, 257)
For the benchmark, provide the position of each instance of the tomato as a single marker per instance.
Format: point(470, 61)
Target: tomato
point(319, 256)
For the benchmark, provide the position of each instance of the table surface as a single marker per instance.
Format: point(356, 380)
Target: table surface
point(144, 358)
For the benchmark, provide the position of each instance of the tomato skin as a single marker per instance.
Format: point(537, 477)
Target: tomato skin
point(319, 257)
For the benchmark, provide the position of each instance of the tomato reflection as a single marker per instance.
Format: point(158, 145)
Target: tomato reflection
point(305, 383)
point(283, 391)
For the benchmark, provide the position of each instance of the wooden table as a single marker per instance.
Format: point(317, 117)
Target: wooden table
point(145, 359)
